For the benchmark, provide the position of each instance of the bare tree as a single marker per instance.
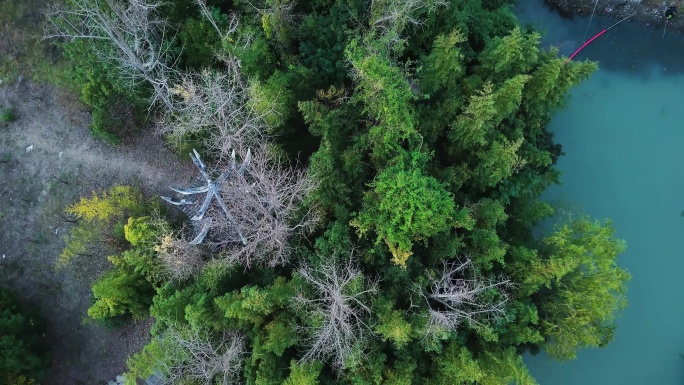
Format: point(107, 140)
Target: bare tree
point(133, 28)
point(336, 299)
point(391, 17)
point(217, 107)
point(180, 258)
point(249, 213)
point(454, 298)
point(202, 216)
point(267, 202)
point(191, 356)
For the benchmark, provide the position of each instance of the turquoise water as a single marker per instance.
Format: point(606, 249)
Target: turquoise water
point(623, 135)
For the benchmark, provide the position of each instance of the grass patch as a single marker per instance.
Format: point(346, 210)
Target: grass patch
point(8, 115)
point(22, 50)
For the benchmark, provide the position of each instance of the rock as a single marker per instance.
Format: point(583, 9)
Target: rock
point(651, 13)
point(29, 149)
point(120, 379)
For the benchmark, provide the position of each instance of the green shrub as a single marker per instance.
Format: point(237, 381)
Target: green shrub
point(118, 231)
point(99, 127)
point(21, 349)
point(119, 294)
point(8, 115)
point(100, 217)
point(200, 40)
point(115, 108)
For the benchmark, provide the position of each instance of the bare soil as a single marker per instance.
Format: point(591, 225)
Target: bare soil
point(64, 164)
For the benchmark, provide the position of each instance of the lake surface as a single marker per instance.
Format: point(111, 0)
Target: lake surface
point(623, 135)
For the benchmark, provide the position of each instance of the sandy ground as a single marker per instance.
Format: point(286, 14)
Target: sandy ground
point(65, 163)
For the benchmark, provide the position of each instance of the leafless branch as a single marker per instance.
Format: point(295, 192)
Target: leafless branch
point(192, 357)
point(249, 213)
point(391, 17)
point(180, 258)
point(135, 30)
point(337, 304)
point(232, 24)
point(217, 107)
point(265, 203)
point(454, 298)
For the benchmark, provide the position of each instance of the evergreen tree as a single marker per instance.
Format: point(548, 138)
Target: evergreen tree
point(422, 124)
point(23, 355)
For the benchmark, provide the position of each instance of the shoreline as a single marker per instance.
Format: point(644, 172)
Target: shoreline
point(652, 13)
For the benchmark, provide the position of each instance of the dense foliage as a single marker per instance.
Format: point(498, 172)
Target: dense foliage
point(100, 220)
point(117, 221)
point(423, 125)
point(23, 355)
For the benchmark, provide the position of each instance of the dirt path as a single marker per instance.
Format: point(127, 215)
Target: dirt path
point(65, 163)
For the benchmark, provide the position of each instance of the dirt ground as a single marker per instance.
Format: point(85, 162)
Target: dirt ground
point(65, 163)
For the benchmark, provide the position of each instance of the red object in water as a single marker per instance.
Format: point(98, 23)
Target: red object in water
point(597, 35)
point(585, 44)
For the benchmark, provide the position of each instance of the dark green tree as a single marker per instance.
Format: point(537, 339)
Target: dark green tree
point(424, 126)
point(23, 353)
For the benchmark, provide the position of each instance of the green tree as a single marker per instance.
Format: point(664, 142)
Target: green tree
point(392, 324)
point(457, 366)
point(383, 89)
point(127, 290)
point(144, 364)
point(406, 205)
point(584, 287)
point(303, 373)
point(515, 53)
point(443, 68)
point(98, 219)
point(426, 132)
point(119, 293)
point(251, 305)
point(401, 373)
point(198, 40)
point(23, 355)
point(504, 366)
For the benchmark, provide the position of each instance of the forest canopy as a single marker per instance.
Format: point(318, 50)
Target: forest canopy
point(24, 356)
point(370, 177)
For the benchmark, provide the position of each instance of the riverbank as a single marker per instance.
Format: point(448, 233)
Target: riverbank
point(653, 13)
